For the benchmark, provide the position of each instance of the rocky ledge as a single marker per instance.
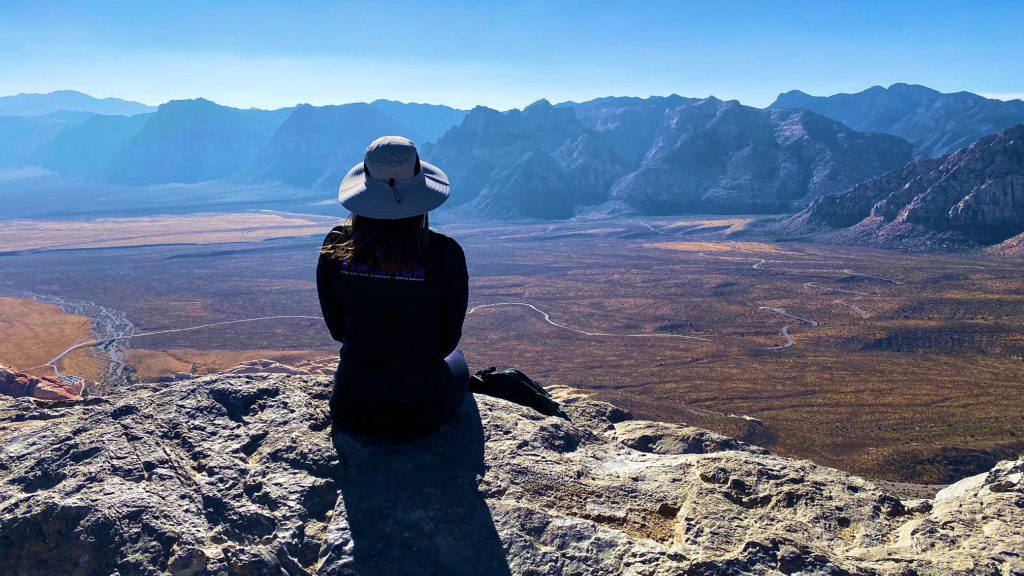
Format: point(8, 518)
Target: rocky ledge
point(239, 474)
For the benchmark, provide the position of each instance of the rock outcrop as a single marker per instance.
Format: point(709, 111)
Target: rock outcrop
point(1014, 247)
point(266, 367)
point(19, 385)
point(241, 475)
point(972, 198)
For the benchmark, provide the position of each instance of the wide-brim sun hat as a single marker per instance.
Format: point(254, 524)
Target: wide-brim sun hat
point(392, 182)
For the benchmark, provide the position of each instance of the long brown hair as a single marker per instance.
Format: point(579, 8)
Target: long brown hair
point(387, 244)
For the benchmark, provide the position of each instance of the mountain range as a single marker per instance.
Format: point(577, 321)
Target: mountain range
point(974, 197)
point(935, 123)
point(657, 155)
point(187, 141)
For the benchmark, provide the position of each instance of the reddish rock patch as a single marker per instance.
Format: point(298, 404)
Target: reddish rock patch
point(19, 385)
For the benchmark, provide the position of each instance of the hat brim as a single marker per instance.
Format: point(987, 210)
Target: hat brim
point(365, 196)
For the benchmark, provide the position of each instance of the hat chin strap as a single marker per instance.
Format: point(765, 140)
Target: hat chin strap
point(398, 196)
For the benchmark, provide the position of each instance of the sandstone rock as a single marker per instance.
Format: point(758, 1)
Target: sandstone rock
point(239, 474)
point(51, 389)
point(14, 383)
point(18, 384)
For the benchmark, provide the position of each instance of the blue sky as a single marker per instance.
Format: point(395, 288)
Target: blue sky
point(507, 54)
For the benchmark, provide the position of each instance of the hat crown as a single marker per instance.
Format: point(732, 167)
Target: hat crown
point(390, 157)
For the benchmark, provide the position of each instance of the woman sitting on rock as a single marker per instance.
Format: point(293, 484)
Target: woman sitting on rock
point(394, 293)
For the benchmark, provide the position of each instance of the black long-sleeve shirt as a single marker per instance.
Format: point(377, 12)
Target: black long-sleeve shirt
point(395, 328)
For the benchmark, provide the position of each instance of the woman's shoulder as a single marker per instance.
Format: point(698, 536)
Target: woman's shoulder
point(444, 241)
point(446, 247)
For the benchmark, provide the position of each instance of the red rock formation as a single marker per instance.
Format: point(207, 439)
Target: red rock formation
point(19, 384)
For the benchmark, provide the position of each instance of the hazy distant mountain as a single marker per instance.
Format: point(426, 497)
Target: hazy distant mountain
point(972, 197)
point(428, 121)
point(715, 156)
point(315, 146)
point(21, 136)
point(88, 148)
point(40, 104)
point(934, 122)
point(539, 162)
point(192, 141)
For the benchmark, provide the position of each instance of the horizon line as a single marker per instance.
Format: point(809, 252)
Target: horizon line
point(1001, 96)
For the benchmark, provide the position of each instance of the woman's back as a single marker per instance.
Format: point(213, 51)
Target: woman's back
point(394, 293)
point(396, 323)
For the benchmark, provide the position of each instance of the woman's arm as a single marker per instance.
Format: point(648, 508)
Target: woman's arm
point(454, 300)
point(330, 305)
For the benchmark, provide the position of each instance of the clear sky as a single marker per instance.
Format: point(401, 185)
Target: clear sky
point(505, 54)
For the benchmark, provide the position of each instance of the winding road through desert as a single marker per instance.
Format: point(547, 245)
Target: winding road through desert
point(790, 341)
point(171, 331)
point(547, 318)
point(129, 333)
point(759, 263)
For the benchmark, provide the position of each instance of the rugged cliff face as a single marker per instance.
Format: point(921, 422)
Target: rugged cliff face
point(972, 198)
point(239, 474)
point(723, 157)
point(540, 162)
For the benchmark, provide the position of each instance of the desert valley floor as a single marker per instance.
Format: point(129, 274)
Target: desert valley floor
point(897, 366)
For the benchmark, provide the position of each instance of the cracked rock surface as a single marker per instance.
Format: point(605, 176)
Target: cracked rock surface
point(239, 474)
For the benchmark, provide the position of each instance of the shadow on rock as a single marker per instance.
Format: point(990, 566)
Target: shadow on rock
point(414, 507)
